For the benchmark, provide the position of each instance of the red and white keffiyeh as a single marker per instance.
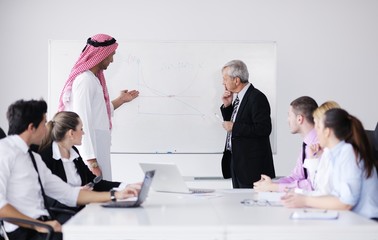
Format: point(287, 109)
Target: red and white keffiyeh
point(97, 49)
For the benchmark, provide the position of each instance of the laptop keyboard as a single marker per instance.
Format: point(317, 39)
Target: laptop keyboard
point(121, 204)
point(201, 190)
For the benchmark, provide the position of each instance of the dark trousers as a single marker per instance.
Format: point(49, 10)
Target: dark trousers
point(236, 183)
point(30, 234)
point(27, 233)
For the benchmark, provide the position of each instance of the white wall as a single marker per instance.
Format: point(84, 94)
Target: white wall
point(326, 48)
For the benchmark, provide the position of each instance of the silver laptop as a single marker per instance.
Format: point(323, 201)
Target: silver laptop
point(149, 175)
point(169, 179)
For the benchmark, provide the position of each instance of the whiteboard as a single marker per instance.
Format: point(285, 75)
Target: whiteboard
point(180, 85)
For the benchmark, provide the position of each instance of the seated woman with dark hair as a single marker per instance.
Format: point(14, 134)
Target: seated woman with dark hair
point(63, 158)
point(353, 177)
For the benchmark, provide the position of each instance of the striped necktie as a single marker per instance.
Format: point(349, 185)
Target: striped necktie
point(228, 139)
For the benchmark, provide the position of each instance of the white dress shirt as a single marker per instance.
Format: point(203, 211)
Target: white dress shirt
point(73, 177)
point(322, 175)
point(338, 174)
point(19, 184)
point(349, 182)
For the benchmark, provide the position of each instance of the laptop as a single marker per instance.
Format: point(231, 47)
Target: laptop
point(149, 175)
point(169, 179)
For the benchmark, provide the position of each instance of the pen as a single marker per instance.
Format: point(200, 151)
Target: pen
point(220, 119)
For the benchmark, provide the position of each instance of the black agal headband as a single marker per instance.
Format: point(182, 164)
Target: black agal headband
point(99, 44)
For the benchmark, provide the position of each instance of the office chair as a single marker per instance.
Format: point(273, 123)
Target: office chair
point(2, 133)
point(3, 234)
point(373, 140)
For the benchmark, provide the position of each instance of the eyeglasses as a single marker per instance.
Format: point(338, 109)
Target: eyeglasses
point(251, 202)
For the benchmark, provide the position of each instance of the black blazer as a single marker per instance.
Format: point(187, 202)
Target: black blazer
point(56, 167)
point(251, 150)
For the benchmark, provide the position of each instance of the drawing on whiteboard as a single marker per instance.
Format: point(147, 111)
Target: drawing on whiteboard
point(176, 93)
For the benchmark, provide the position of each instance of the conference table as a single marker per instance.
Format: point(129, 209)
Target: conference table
point(213, 216)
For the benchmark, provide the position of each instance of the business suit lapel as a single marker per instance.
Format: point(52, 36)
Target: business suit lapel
point(80, 166)
point(244, 101)
point(59, 170)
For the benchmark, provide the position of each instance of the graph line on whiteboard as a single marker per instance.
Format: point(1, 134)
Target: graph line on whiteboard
point(169, 97)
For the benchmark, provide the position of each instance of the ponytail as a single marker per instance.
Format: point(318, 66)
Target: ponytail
point(46, 141)
point(350, 129)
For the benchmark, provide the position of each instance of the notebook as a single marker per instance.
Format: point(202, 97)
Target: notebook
point(148, 177)
point(169, 179)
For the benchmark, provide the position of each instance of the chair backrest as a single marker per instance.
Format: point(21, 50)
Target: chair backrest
point(2, 133)
point(48, 228)
point(373, 139)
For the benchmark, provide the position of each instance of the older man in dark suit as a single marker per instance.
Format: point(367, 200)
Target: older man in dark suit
point(246, 114)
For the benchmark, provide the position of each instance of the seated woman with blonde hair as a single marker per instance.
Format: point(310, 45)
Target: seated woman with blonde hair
point(61, 156)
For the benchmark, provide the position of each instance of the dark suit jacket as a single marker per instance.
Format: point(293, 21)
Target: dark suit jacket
point(251, 150)
point(2, 133)
point(56, 167)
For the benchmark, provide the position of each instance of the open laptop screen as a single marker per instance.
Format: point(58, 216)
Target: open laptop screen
point(142, 196)
point(169, 179)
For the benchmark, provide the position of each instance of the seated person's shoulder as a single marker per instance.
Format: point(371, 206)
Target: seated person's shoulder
point(34, 148)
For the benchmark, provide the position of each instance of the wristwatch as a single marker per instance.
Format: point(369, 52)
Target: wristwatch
point(93, 165)
point(112, 195)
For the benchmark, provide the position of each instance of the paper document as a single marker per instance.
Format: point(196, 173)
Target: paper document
point(315, 214)
point(273, 197)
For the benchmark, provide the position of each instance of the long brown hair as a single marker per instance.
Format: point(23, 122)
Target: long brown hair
point(349, 128)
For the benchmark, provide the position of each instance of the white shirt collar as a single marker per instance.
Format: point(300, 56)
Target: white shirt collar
point(58, 156)
point(242, 92)
point(20, 143)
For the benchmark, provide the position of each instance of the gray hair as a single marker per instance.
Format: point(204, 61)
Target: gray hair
point(237, 68)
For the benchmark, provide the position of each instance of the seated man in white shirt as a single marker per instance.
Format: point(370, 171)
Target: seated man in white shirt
point(25, 179)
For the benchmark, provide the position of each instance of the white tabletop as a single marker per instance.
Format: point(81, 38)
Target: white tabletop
point(211, 216)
